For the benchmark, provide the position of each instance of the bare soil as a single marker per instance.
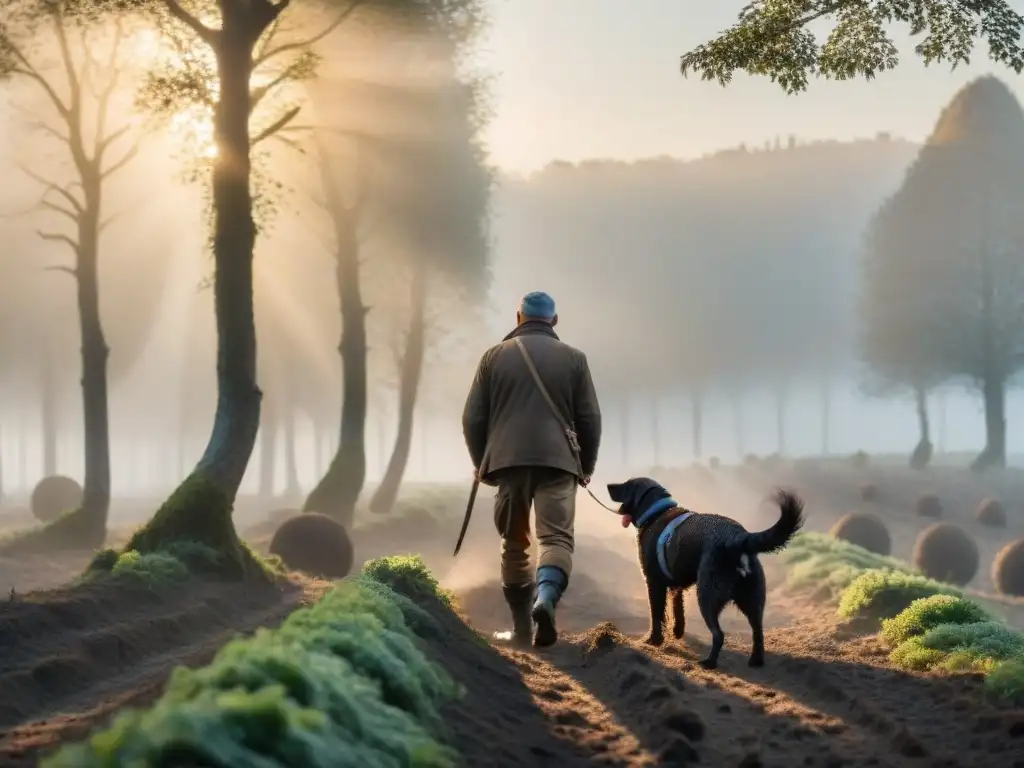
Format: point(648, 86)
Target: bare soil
point(72, 656)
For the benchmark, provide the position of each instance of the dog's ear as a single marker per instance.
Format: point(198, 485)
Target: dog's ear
point(617, 492)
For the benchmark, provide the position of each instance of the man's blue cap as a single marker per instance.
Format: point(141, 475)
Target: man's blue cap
point(537, 304)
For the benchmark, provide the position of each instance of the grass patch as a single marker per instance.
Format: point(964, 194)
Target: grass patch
point(828, 565)
point(408, 574)
point(884, 594)
point(927, 613)
point(340, 684)
point(957, 635)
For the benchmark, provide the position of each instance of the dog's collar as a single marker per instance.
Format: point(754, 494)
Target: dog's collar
point(654, 510)
point(663, 540)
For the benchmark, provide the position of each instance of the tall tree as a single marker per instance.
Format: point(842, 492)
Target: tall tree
point(955, 235)
point(81, 125)
point(770, 38)
point(445, 206)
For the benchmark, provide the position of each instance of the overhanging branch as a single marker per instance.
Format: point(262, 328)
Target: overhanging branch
point(56, 237)
point(301, 44)
point(207, 35)
point(276, 126)
point(127, 158)
point(61, 268)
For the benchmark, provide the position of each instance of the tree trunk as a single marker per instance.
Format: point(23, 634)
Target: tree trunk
point(922, 454)
point(338, 490)
point(738, 426)
point(200, 508)
point(408, 387)
point(826, 414)
point(49, 411)
point(993, 391)
point(318, 449)
point(655, 436)
point(268, 449)
point(697, 424)
point(780, 420)
point(626, 446)
point(291, 465)
point(993, 381)
point(96, 490)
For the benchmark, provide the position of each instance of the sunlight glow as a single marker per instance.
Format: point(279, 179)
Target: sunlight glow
point(194, 128)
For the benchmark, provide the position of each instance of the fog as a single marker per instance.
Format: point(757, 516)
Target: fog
point(735, 274)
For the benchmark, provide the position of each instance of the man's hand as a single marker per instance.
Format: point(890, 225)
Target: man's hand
point(585, 481)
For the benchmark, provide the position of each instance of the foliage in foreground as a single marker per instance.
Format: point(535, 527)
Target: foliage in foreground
point(830, 565)
point(341, 683)
point(771, 38)
point(958, 635)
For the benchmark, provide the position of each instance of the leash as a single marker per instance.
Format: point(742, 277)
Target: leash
point(570, 435)
point(472, 501)
point(601, 503)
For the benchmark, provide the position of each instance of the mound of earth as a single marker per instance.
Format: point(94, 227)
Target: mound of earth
point(73, 656)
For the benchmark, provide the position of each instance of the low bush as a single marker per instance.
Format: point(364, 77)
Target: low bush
point(339, 685)
point(991, 513)
point(883, 594)
point(315, 544)
point(54, 496)
point(860, 460)
point(830, 565)
point(957, 635)
point(869, 493)
point(946, 552)
point(929, 612)
point(867, 531)
point(928, 505)
point(1008, 569)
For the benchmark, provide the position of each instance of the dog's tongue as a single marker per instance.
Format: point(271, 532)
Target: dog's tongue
point(626, 520)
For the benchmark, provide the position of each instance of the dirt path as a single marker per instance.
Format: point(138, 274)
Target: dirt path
point(824, 699)
point(71, 658)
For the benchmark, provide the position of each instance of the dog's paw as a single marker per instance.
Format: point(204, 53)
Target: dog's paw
point(756, 661)
point(709, 663)
point(652, 639)
point(677, 631)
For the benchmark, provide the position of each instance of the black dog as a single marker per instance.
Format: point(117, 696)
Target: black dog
point(679, 548)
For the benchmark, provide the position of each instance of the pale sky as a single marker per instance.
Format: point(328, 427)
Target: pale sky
point(578, 79)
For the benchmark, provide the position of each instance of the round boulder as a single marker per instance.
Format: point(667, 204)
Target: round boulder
point(946, 553)
point(991, 513)
point(314, 544)
point(53, 496)
point(1008, 569)
point(867, 531)
point(928, 505)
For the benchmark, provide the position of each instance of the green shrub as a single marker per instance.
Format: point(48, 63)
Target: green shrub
point(929, 612)
point(976, 646)
point(409, 575)
point(1006, 681)
point(820, 561)
point(340, 684)
point(882, 594)
point(155, 569)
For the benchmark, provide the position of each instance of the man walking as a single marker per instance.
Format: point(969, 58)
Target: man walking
point(521, 434)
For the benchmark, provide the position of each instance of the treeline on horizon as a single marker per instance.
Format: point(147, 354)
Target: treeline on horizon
point(770, 270)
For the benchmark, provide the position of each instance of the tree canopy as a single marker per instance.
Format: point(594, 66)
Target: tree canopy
point(771, 38)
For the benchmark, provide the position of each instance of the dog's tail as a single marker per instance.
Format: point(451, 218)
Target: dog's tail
point(774, 539)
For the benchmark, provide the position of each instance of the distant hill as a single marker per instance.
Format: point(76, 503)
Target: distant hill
point(609, 238)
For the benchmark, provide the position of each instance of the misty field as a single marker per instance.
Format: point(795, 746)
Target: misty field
point(252, 253)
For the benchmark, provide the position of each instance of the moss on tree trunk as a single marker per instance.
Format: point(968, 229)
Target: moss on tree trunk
point(200, 509)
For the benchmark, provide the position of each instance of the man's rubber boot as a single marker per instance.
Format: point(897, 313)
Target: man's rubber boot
point(519, 599)
point(551, 583)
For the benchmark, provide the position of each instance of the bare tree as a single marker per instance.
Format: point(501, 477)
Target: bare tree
point(82, 106)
